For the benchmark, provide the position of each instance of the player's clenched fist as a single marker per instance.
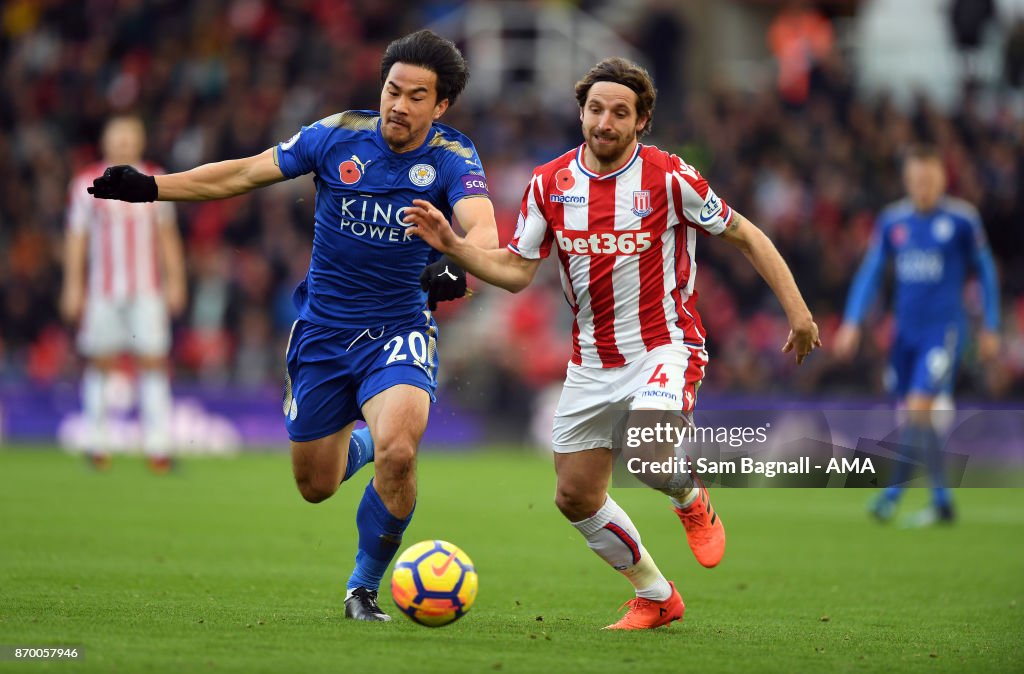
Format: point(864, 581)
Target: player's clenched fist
point(444, 280)
point(124, 183)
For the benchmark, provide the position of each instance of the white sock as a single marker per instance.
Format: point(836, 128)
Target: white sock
point(688, 500)
point(94, 407)
point(611, 534)
point(155, 404)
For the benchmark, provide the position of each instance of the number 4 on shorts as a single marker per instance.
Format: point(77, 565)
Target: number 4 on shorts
point(659, 377)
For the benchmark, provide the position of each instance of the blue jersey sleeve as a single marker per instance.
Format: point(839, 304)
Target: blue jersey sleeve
point(299, 154)
point(868, 278)
point(464, 174)
point(984, 265)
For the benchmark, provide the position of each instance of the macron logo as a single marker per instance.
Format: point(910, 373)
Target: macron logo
point(448, 274)
point(568, 199)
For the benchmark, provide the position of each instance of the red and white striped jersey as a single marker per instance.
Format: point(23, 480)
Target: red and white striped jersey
point(123, 244)
point(625, 241)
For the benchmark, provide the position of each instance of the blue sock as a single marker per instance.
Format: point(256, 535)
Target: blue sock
point(912, 444)
point(360, 452)
point(934, 459)
point(380, 536)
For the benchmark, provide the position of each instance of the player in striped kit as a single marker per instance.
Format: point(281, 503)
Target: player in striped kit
point(123, 275)
point(623, 218)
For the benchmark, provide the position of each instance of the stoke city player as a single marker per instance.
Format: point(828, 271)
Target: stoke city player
point(623, 218)
point(124, 277)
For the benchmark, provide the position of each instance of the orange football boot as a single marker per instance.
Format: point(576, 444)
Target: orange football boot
point(704, 530)
point(160, 465)
point(98, 461)
point(646, 614)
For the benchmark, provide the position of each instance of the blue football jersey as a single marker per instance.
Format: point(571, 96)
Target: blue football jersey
point(933, 254)
point(365, 267)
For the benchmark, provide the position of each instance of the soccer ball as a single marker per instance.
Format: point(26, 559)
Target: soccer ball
point(434, 583)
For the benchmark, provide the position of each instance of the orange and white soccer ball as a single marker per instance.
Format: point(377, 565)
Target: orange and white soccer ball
point(434, 583)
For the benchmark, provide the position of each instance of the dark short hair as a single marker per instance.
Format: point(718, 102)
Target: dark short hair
point(624, 72)
point(427, 49)
point(123, 117)
point(923, 152)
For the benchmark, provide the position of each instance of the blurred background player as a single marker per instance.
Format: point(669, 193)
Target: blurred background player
point(365, 344)
point(935, 242)
point(623, 219)
point(123, 279)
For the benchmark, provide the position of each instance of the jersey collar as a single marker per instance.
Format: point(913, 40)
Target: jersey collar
point(605, 176)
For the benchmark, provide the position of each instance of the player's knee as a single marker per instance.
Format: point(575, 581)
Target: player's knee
point(577, 503)
point(395, 460)
point(314, 490)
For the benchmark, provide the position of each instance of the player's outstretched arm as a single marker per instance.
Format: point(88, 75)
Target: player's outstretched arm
point(758, 248)
point(862, 293)
point(218, 180)
point(497, 266)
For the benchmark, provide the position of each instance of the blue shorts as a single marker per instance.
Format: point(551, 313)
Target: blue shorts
point(925, 361)
point(332, 372)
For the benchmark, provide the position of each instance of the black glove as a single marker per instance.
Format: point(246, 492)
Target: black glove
point(125, 184)
point(444, 280)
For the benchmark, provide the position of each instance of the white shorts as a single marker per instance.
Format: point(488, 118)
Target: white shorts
point(593, 399)
point(139, 325)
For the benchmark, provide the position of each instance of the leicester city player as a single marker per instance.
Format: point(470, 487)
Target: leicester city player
point(935, 242)
point(364, 346)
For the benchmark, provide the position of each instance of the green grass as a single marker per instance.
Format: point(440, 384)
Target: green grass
point(222, 567)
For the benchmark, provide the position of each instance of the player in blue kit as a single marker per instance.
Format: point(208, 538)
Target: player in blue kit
point(935, 242)
point(364, 346)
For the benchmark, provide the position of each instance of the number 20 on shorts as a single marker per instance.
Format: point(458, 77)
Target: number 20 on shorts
point(416, 345)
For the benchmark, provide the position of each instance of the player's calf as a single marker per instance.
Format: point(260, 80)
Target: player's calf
point(380, 536)
point(395, 475)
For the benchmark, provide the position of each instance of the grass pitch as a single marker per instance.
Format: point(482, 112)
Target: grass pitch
point(222, 567)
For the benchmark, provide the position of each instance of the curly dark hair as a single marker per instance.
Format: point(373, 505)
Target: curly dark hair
point(624, 72)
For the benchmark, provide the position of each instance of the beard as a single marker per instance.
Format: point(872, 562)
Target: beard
point(395, 133)
point(608, 152)
point(398, 135)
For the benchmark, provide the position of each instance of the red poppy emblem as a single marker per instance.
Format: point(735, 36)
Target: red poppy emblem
point(349, 172)
point(564, 180)
point(899, 235)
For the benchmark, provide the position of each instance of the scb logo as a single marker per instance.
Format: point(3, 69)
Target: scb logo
point(607, 243)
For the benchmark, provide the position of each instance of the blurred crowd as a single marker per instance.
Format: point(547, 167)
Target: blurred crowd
point(216, 80)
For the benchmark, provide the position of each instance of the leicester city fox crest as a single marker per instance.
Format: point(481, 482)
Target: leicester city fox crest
point(422, 175)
